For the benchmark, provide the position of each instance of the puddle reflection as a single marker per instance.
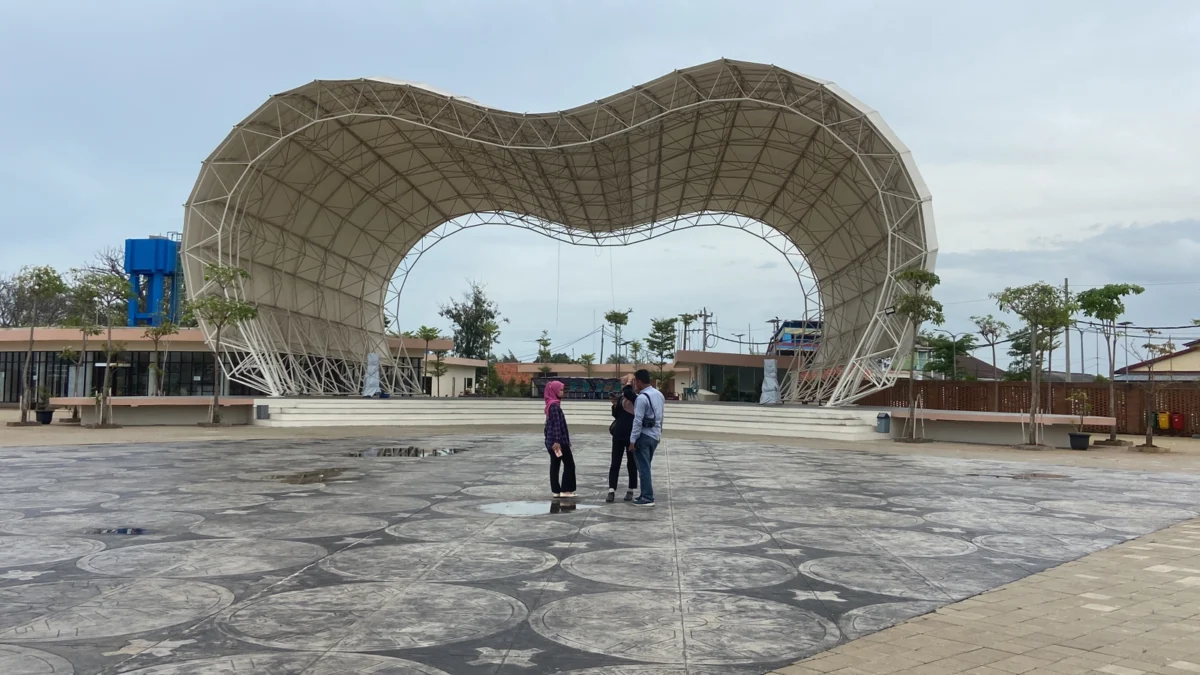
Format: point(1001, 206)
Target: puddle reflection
point(535, 508)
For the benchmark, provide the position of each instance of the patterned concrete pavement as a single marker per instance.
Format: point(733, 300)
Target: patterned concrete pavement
point(298, 556)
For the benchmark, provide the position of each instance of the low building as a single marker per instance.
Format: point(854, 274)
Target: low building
point(188, 363)
point(1181, 366)
point(461, 377)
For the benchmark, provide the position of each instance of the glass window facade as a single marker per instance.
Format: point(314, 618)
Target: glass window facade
point(745, 380)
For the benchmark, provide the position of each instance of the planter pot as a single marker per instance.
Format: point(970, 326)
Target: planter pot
point(1079, 440)
point(44, 416)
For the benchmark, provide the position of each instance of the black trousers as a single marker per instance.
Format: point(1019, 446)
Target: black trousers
point(621, 451)
point(565, 464)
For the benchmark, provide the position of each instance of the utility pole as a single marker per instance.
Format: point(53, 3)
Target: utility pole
point(1082, 360)
point(739, 337)
point(705, 323)
point(1067, 329)
point(774, 333)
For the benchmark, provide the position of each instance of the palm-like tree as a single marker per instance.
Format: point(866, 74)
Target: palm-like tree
point(428, 334)
point(635, 348)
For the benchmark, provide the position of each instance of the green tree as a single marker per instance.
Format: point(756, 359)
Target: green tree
point(110, 292)
point(660, 344)
point(1106, 304)
point(687, 320)
point(945, 351)
point(1020, 353)
point(560, 357)
point(543, 354)
point(218, 312)
point(635, 349)
point(510, 358)
point(82, 315)
point(617, 359)
point(493, 385)
point(1154, 351)
point(427, 334)
point(156, 334)
point(588, 361)
point(1045, 309)
point(476, 322)
point(916, 304)
point(40, 286)
point(992, 330)
point(618, 320)
point(438, 369)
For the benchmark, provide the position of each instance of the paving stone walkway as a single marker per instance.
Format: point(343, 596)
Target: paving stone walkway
point(1128, 610)
point(312, 556)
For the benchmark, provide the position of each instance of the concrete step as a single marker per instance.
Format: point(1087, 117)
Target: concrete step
point(733, 420)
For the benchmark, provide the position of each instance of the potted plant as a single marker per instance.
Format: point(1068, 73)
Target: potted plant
point(43, 411)
point(1079, 438)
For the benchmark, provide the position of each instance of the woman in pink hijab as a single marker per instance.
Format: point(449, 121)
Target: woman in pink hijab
point(558, 443)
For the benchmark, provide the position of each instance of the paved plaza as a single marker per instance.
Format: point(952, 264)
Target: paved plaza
point(345, 556)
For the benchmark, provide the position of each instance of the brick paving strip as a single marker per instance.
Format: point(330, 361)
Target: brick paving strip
point(1130, 609)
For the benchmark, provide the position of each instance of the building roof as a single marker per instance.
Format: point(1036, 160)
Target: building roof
point(330, 190)
point(1188, 348)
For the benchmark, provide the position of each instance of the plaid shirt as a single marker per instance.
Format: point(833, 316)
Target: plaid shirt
point(556, 428)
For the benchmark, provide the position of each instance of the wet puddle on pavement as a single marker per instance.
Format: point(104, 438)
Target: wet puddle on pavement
point(528, 508)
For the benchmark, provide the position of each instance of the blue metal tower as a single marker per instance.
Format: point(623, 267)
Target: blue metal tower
point(149, 263)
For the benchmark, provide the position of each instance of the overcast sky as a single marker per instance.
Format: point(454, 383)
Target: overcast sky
point(1059, 139)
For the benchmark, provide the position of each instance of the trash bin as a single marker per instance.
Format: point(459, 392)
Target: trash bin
point(883, 423)
point(1178, 423)
point(1164, 421)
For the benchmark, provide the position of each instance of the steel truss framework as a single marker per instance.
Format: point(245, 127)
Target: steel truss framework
point(329, 193)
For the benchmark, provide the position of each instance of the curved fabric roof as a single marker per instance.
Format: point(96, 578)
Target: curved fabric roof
point(322, 191)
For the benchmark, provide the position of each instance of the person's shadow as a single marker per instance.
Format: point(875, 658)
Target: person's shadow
point(562, 507)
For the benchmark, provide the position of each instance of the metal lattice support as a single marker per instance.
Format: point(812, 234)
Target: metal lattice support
point(329, 192)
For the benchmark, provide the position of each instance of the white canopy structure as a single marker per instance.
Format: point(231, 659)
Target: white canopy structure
point(329, 193)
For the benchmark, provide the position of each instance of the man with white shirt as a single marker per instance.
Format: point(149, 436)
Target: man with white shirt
point(647, 431)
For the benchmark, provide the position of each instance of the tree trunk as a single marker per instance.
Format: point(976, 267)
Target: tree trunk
point(152, 381)
point(28, 366)
point(1035, 366)
point(213, 415)
point(1111, 344)
point(105, 391)
point(996, 385)
point(1151, 404)
point(912, 385)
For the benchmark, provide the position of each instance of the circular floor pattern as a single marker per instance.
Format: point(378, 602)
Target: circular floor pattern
point(24, 661)
point(934, 579)
point(1189, 497)
point(812, 498)
point(660, 534)
point(16, 551)
point(797, 483)
point(50, 500)
point(10, 515)
point(298, 663)
point(660, 670)
point(506, 491)
point(1060, 547)
point(64, 611)
point(966, 504)
point(293, 475)
point(1013, 522)
point(689, 482)
point(837, 516)
point(280, 525)
point(1117, 510)
point(190, 502)
point(919, 489)
point(1137, 526)
point(862, 621)
point(350, 504)
point(702, 513)
point(1057, 490)
point(497, 530)
point(665, 569)
point(392, 488)
point(693, 628)
point(79, 523)
point(440, 562)
point(201, 558)
point(877, 541)
point(22, 482)
point(402, 616)
point(241, 487)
